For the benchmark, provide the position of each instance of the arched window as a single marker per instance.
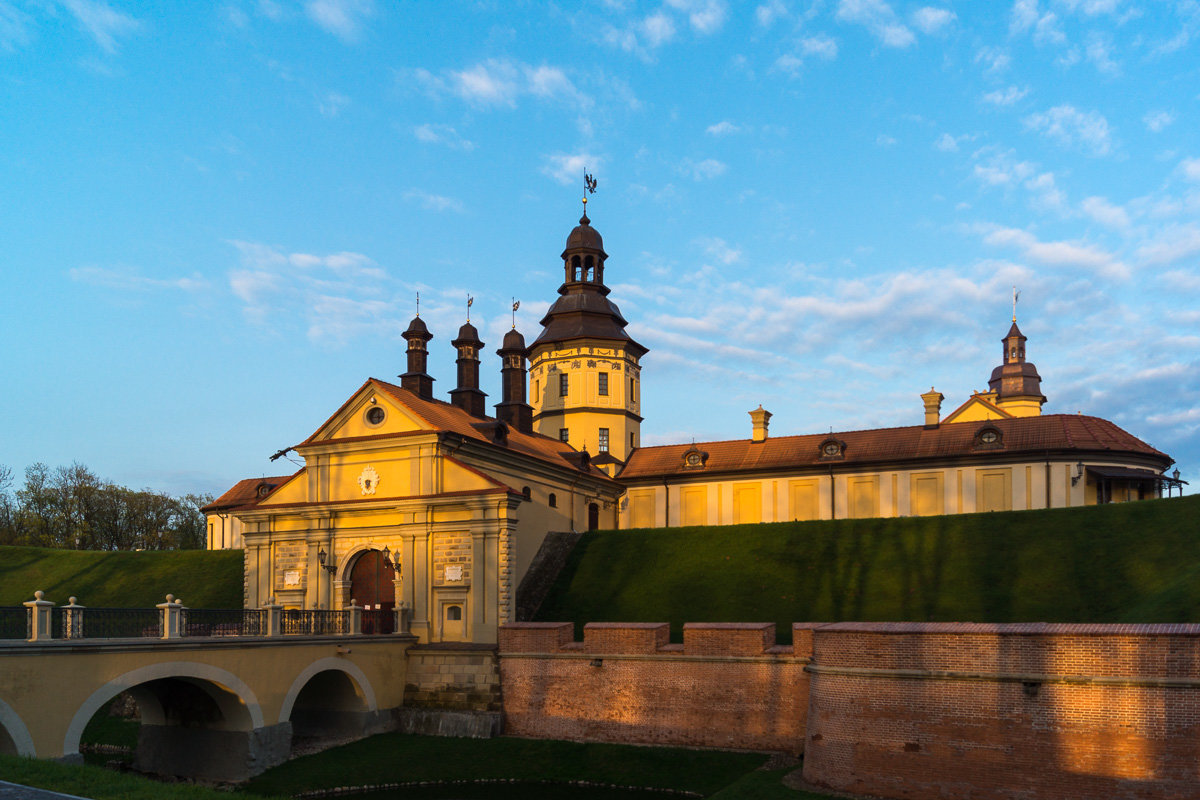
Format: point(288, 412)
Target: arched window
point(525, 493)
point(588, 268)
point(574, 268)
point(553, 500)
point(453, 613)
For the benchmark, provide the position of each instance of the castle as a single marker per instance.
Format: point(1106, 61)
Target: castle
point(408, 500)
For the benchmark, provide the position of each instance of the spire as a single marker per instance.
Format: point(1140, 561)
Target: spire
point(416, 379)
point(467, 395)
point(1016, 381)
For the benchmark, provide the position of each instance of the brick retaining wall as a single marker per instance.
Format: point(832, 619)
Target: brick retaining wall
point(938, 710)
point(728, 685)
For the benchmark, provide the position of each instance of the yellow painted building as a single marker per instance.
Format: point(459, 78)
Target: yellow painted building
point(408, 500)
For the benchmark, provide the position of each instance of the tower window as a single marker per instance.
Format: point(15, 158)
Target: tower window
point(603, 440)
point(526, 493)
point(562, 385)
point(604, 383)
point(564, 435)
point(553, 500)
point(631, 444)
point(631, 397)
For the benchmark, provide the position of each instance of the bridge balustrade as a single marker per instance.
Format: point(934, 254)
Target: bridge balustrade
point(314, 622)
point(223, 622)
point(14, 623)
point(78, 622)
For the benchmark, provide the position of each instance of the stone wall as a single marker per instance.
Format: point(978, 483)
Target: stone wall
point(453, 676)
point(728, 685)
point(1038, 711)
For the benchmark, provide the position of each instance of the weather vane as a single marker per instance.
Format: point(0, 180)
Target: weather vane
point(1016, 295)
point(470, 302)
point(589, 187)
point(516, 305)
point(418, 304)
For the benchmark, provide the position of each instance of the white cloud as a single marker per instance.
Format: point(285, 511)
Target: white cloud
point(332, 103)
point(1104, 212)
point(1099, 52)
point(500, 82)
point(883, 140)
point(15, 25)
point(705, 16)
point(947, 143)
point(768, 12)
point(1172, 244)
point(994, 59)
point(342, 18)
point(722, 128)
point(1027, 16)
point(931, 20)
point(1190, 167)
point(433, 202)
point(788, 63)
point(1000, 168)
point(102, 22)
point(878, 18)
point(820, 45)
point(1070, 126)
point(657, 29)
point(1156, 121)
point(1005, 97)
point(430, 133)
point(569, 168)
point(1045, 194)
point(129, 280)
point(717, 248)
point(704, 170)
point(1057, 254)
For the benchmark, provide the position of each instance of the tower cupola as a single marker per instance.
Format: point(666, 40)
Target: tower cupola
point(467, 395)
point(584, 256)
point(512, 409)
point(1016, 383)
point(417, 380)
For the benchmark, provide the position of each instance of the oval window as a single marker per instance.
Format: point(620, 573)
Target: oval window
point(375, 415)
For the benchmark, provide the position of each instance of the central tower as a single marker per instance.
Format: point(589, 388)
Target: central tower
point(586, 380)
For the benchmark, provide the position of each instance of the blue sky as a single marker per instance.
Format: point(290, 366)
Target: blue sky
point(216, 217)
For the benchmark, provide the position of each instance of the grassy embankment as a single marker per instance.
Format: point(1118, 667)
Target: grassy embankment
point(395, 757)
point(1132, 562)
point(201, 578)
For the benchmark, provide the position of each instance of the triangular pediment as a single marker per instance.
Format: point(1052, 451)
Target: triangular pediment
point(977, 408)
point(369, 412)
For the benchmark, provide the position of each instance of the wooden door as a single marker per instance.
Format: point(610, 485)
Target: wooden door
point(372, 587)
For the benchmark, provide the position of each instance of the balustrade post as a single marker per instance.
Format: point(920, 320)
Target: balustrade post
point(73, 620)
point(171, 611)
point(40, 624)
point(355, 626)
point(401, 623)
point(274, 617)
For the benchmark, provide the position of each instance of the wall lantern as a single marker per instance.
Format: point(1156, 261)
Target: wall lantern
point(1078, 473)
point(321, 556)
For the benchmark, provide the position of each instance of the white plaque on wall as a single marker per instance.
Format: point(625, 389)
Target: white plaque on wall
point(291, 577)
point(368, 480)
point(454, 572)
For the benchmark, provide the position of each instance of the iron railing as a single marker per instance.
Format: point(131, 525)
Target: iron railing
point(377, 620)
point(14, 622)
point(108, 623)
point(303, 622)
point(223, 622)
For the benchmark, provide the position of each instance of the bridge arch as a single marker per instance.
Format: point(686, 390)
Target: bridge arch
point(352, 670)
point(235, 700)
point(14, 736)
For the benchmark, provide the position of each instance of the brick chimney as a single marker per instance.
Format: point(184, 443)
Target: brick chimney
point(933, 407)
point(762, 420)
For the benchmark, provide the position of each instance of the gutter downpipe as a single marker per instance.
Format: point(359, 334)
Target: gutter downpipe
point(1047, 479)
point(832, 494)
point(666, 503)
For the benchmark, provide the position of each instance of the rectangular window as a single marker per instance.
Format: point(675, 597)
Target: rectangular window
point(603, 383)
point(563, 435)
point(562, 385)
point(604, 440)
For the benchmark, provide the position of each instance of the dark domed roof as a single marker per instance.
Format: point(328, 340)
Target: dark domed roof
point(417, 326)
point(513, 340)
point(467, 331)
point(584, 237)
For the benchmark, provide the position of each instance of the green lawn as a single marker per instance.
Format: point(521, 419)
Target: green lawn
point(201, 578)
point(1131, 562)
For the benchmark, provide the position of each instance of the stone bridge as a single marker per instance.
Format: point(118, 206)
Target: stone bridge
point(218, 708)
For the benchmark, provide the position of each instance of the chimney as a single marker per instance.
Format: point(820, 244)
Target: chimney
point(933, 407)
point(416, 380)
point(467, 396)
point(513, 409)
point(761, 419)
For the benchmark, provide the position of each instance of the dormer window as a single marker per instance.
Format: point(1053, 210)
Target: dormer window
point(988, 437)
point(263, 490)
point(694, 458)
point(832, 449)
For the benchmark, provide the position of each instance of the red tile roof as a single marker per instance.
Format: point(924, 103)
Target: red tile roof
point(245, 493)
point(1026, 436)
